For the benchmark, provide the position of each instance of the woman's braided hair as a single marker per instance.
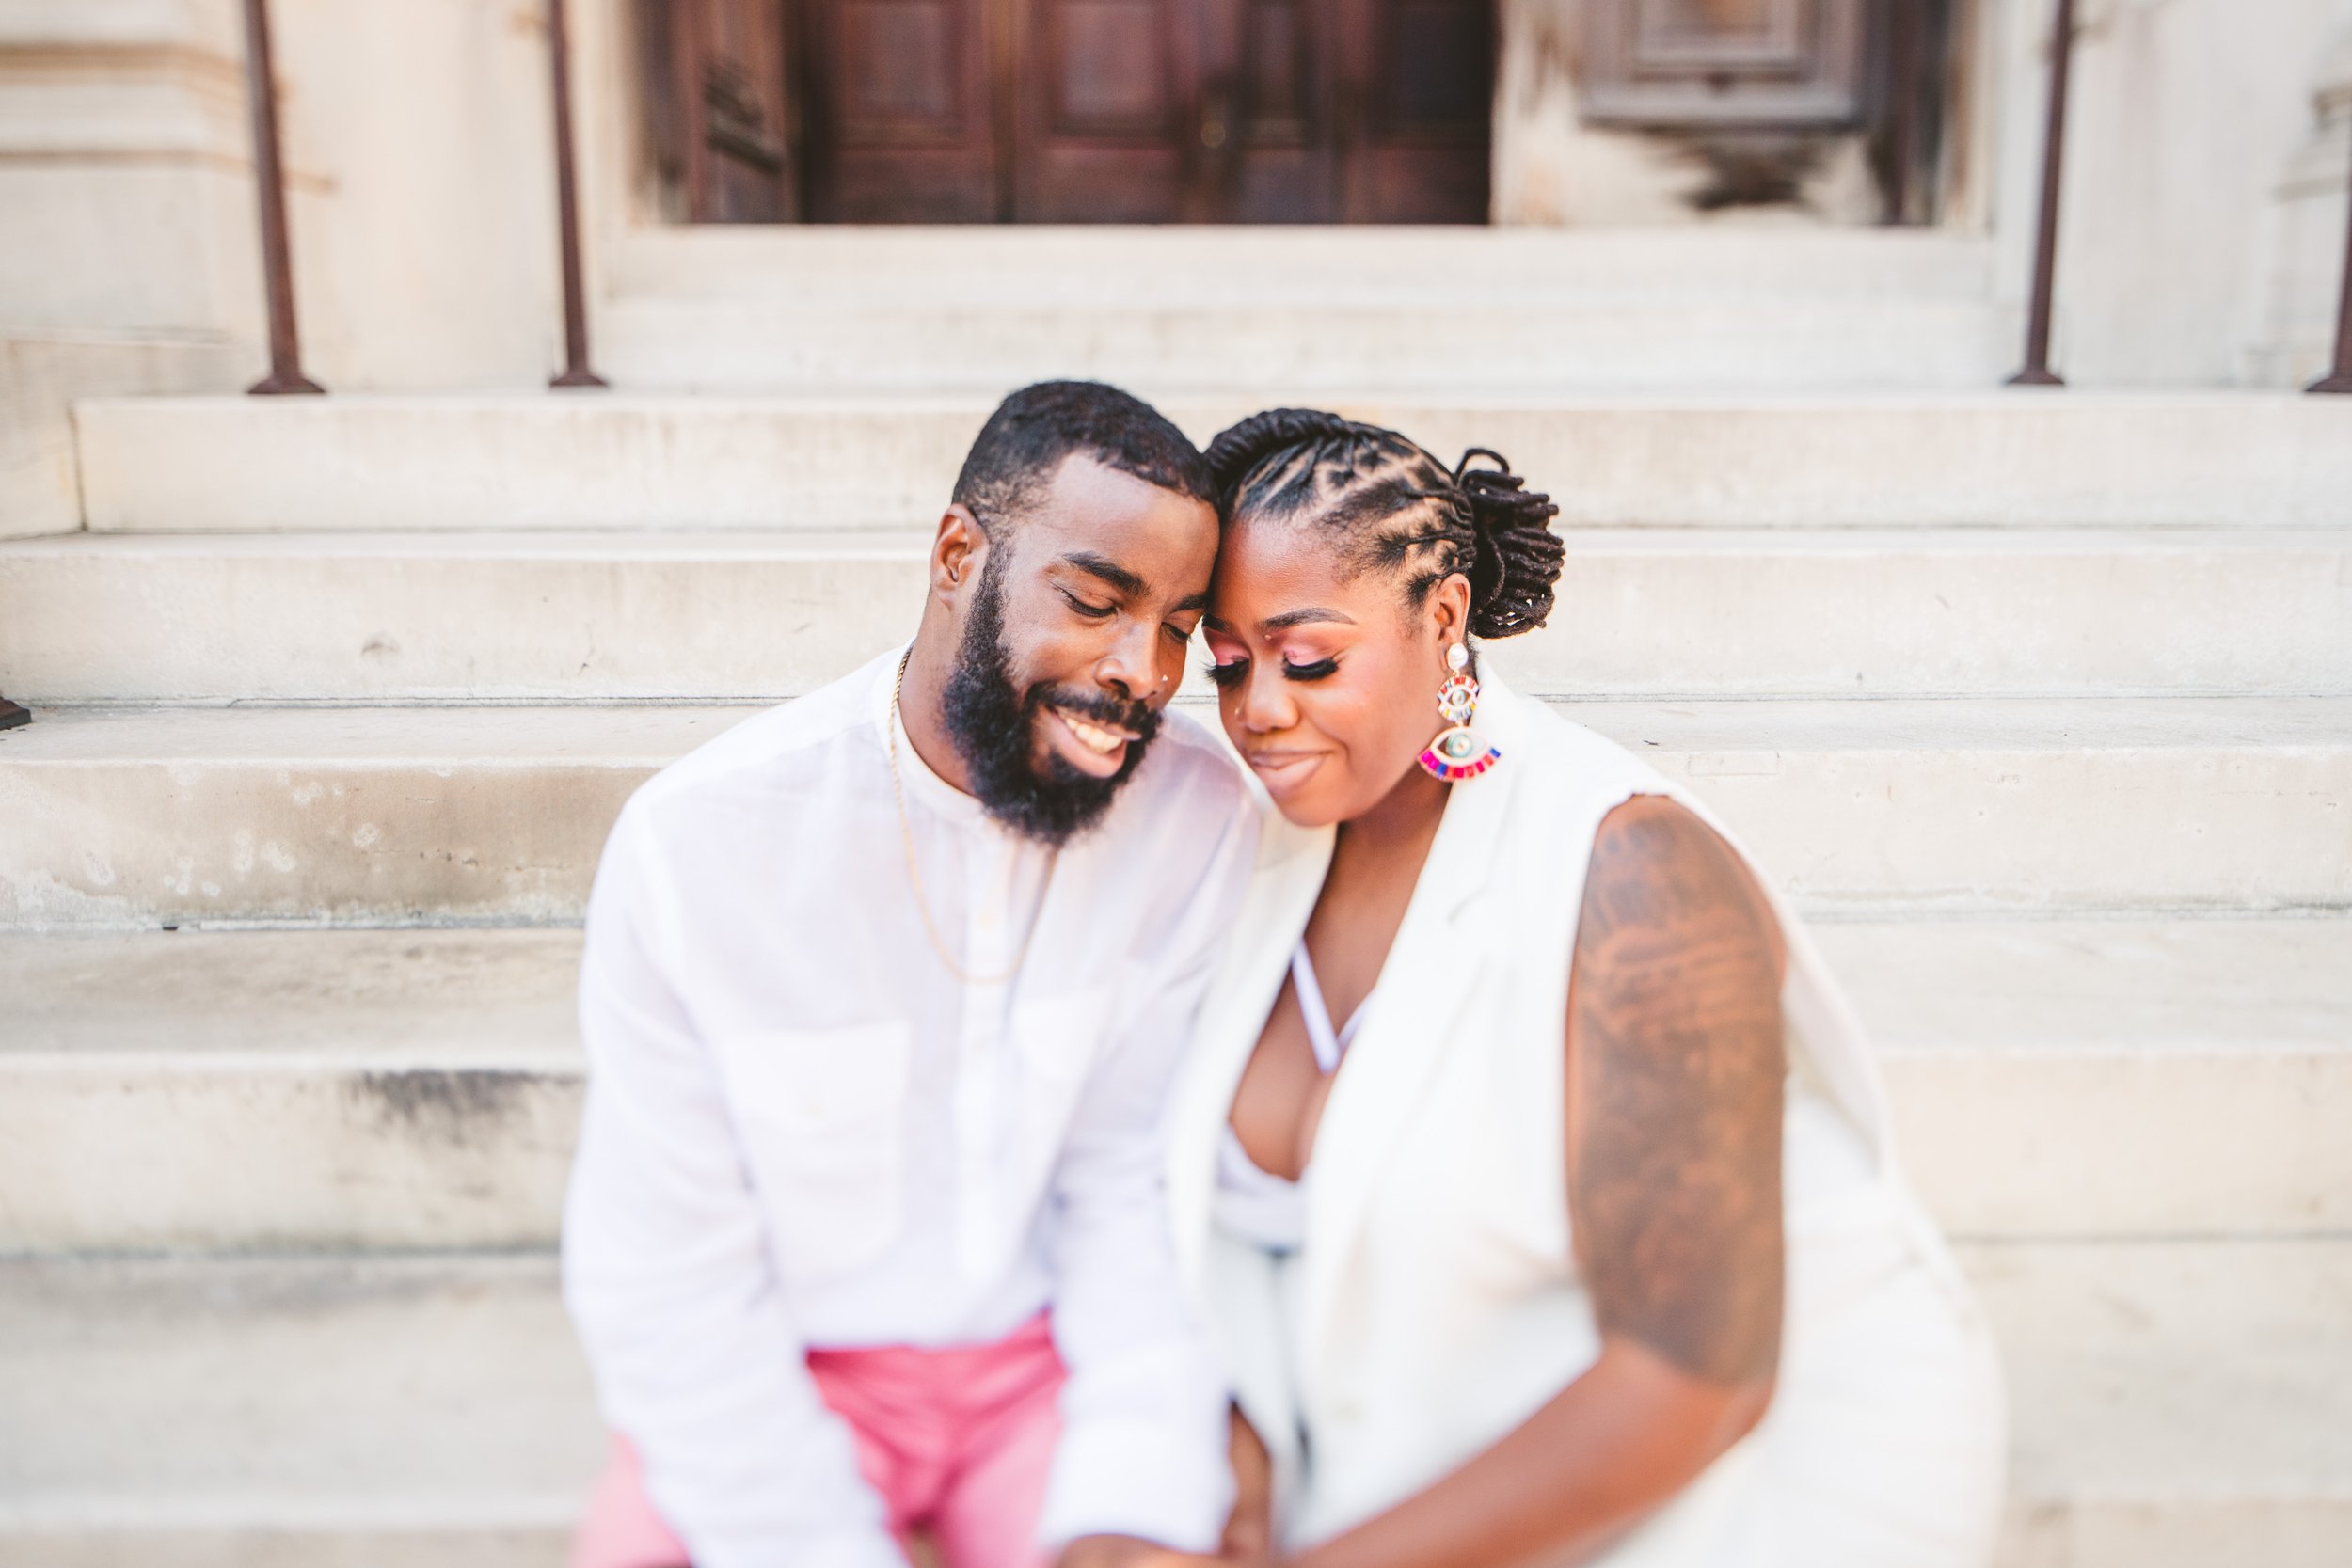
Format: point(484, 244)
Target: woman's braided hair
point(1399, 507)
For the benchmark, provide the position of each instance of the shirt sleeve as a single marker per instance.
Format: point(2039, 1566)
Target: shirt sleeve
point(668, 1280)
point(1144, 1432)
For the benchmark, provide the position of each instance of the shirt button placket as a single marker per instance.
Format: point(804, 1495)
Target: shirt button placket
point(977, 1067)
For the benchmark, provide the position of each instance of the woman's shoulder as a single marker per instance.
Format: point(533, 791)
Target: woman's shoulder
point(1571, 759)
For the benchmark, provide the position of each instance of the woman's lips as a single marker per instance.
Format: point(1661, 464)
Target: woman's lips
point(1280, 770)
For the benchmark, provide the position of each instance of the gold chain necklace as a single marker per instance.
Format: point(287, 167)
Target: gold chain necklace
point(915, 872)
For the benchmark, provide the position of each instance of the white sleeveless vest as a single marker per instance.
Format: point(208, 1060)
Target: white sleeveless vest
point(1436, 1301)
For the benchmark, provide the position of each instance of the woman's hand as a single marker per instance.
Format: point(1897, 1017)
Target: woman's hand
point(1124, 1551)
point(1248, 1540)
point(1250, 1530)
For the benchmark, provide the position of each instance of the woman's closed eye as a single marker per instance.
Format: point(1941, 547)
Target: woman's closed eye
point(1227, 673)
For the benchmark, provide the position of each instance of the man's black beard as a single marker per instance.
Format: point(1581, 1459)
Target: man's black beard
point(994, 727)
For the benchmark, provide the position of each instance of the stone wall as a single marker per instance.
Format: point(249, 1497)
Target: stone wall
point(2186, 116)
point(1551, 169)
point(126, 251)
point(2305, 253)
point(424, 209)
point(2202, 236)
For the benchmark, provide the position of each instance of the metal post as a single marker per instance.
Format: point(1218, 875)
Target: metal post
point(2341, 379)
point(1899, 138)
point(285, 345)
point(576, 371)
point(12, 715)
point(2037, 372)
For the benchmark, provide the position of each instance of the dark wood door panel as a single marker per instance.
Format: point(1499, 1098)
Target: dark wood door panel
point(1417, 90)
point(902, 128)
point(1110, 68)
point(898, 71)
point(719, 110)
point(1108, 93)
point(1266, 129)
point(1077, 111)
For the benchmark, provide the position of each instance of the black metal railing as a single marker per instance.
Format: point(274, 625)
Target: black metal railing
point(576, 371)
point(2037, 372)
point(2339, 379)
point(269, 174)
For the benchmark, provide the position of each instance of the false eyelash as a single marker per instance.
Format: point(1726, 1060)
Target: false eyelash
point(1228, 675)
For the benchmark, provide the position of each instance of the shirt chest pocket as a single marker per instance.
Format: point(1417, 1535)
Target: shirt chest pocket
point(823, 1114)
point(1059, 1040)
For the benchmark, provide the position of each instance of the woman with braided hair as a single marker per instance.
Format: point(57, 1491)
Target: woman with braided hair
point(1529, 1173)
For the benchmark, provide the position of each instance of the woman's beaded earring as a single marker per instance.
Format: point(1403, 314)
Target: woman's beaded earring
point(1457, 752)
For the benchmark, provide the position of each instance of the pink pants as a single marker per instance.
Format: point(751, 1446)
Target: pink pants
point(957, 1442)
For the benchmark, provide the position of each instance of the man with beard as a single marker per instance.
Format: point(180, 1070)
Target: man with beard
point(882, 993)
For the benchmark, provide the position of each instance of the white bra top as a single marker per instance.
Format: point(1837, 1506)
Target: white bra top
point(1253, 1203)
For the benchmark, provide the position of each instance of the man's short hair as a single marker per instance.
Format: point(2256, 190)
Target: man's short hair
point(1014, 457)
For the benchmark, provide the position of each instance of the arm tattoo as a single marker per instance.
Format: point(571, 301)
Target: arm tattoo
point(1675, 1084)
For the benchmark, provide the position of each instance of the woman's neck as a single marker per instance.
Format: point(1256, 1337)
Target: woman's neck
point(1376, 865)
point(1404, 821)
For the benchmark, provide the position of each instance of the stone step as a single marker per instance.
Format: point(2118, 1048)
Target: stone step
point(2057, 1079)
point(44, 372)
point(280, 1090)
point(1702, 612)
point(1554, 345)
point(1173, 310)
point(842, 267)
point(618, 461)
point(270, 1413)
point(370, 1090)
point(494, 816)
point(2174, 1405)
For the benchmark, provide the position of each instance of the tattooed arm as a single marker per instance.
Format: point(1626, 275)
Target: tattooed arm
point(1675, 1086)
point(1676, 1068)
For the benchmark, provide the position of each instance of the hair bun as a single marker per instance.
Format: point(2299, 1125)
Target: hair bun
point(1240, 448)
point(1519, 556)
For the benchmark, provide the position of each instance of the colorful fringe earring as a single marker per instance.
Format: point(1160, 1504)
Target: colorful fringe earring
point(1457, 752)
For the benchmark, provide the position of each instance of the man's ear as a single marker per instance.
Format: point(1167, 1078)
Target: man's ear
point(958, 554)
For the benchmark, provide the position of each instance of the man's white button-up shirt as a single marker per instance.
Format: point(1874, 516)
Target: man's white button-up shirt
point(803, 1132)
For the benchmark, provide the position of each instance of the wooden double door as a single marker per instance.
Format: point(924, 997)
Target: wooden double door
point(1076, 111)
